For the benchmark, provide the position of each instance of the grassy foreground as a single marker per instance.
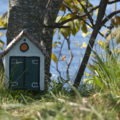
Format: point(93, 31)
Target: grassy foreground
point(20, 105)
point(101, 102)
point(62, 106)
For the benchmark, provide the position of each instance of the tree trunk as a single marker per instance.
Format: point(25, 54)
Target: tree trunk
point(97, 27)
point(33, 15)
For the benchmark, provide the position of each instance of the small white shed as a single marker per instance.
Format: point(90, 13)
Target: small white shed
point(24, 63)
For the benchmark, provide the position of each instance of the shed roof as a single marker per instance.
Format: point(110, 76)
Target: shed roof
point(18, 38)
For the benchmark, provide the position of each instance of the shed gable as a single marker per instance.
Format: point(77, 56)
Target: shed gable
point(33, 50)
point(23, 37)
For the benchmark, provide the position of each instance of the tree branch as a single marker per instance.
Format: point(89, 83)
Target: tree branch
point(91, 27)
point(114, 1)
point(87, 13)
point(59, 55)
point(78, 17)
point(97, 27)
point(107, 18)
point(69, 9)
point(60, 24)
point(70, 60)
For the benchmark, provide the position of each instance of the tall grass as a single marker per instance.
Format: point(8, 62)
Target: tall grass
point(106, 74)
point(57, 104)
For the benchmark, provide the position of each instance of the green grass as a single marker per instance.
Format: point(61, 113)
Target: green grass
point(106, 74)
point(23, 106)
point(102, 102)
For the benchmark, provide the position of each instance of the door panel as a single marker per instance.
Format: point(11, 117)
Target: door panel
point(24, 73)
point(16, 72)
point(32, 66)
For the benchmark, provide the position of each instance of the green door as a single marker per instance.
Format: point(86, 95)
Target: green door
point(32, 66)
point(16, 72)
point(24, 72)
